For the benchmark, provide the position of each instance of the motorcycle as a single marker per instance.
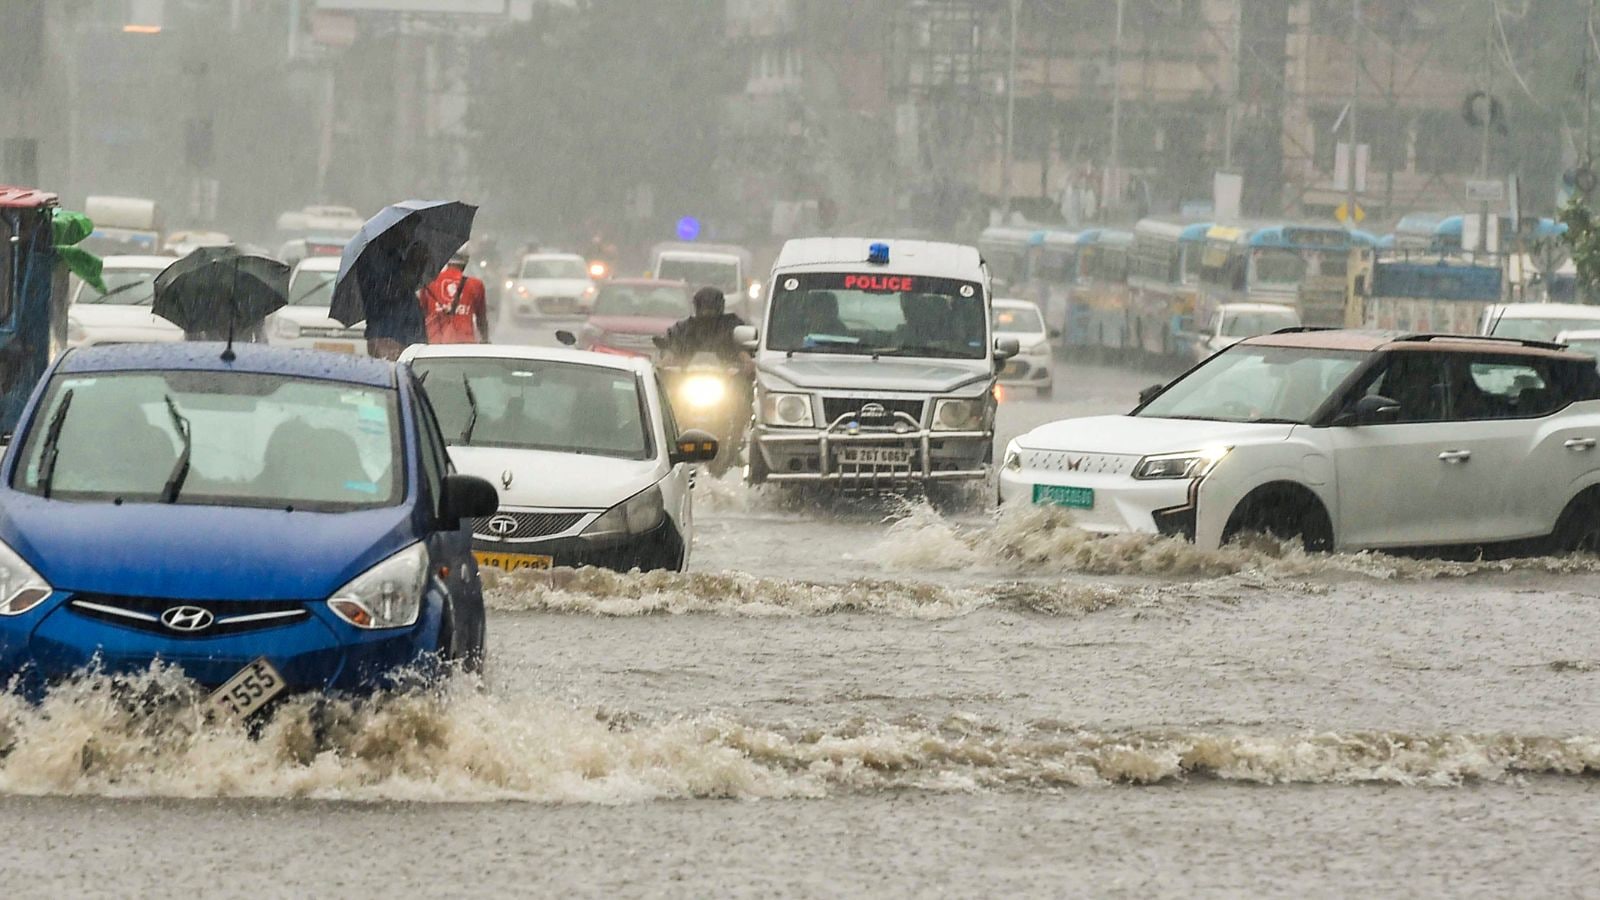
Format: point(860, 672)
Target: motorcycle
point(708, 394)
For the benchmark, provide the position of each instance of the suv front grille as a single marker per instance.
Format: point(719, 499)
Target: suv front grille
point(220, 617)
point(860, 408)
point(522, 526)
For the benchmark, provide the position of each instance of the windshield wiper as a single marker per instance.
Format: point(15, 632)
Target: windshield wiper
point(127, 287)
point(925, 350)
point(472, 418)
point(180, 470)
point(50, 452)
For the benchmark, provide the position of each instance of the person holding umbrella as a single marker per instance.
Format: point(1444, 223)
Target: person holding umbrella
point(396, 321)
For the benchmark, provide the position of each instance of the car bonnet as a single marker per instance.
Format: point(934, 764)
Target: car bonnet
point(1140, 436)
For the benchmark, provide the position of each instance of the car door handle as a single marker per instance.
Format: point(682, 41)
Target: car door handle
point(1455, 456)
point(1580, 444)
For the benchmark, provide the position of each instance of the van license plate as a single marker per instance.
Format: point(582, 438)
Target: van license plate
point(875, 456)
point(1061, 495)
point(511, 562)
point(251, 688)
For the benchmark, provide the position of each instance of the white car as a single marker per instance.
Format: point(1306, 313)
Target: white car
point(1031, 366)
point(1537, 321)
point(591, 467)
point(549, 285)
point(1581, 341)
point(122, 314)
point(1345, 439)
point(1233, 322)
point(304, 321)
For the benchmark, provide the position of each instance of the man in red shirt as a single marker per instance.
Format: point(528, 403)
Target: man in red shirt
point(454, 306)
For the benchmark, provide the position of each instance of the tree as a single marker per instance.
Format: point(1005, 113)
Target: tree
point(1583, 240)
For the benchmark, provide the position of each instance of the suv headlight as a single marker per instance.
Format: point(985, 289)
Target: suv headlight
point(388, 595)
point(1192, 464)
point(787, 410)
point(21, 588)
point(958, 415)
point(638, 514)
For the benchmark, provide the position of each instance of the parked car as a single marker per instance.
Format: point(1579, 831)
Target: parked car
point(630, 313)
point(549, 285)
point(1022, 321)
point(1233, 322)
point(269, 521)
point(304, 321)
point(1537, 321)
point(1346, 440)
point(122, 314)
point(591, 466)
point(1581, 341)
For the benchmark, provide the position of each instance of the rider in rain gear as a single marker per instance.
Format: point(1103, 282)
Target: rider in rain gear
point(709, 330)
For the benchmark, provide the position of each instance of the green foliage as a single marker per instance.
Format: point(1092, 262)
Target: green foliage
point(1583, 239)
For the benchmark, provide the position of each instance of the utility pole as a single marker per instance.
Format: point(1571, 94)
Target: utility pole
point(1488, 119)
point(1011, 117)
point(1355, 111)
point(1114, 175)
point(1588, 102)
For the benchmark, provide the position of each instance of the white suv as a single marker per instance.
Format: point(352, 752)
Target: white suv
point(1344, 439)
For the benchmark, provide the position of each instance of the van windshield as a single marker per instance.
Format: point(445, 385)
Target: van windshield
point(879, 315)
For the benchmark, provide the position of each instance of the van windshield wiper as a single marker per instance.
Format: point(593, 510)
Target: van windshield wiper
point(180, 470)
point(49, 453)
point(472, 404)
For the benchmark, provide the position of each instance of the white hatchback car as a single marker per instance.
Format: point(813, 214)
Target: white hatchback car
point(1345, 439)
point(1537, 321)
point(549, 285)
point(122, 314)
point(1022, 320)
point(1233, 322)
point(591, 467)
point(304, 321)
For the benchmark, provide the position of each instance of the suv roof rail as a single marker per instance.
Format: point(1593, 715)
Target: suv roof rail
point(1487, 338)
point(1301, 329)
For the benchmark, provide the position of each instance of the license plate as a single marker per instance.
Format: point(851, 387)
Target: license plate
point(1060, 495)
point(875, 456)
point(247, 691)
point(333, 346)
point(511, 562)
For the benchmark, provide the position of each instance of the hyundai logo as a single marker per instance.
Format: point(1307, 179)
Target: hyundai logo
point(501, 525)
point(874, 411)
point(187, 618)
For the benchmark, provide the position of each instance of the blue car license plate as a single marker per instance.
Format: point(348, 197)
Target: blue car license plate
point(1061, 495)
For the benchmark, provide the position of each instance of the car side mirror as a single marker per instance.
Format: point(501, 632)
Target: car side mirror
point(694, 446)
point(567, 338)
point(747, 337)
point(1005, 348)
point(1054, 334)
point(1150, 393)
point(1374, 409)
point(466, 497)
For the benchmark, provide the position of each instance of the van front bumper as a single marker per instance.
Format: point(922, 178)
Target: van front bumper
point(816, 455)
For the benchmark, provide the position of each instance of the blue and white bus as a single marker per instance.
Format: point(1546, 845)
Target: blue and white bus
point(1305, 267)
point(1164, 282)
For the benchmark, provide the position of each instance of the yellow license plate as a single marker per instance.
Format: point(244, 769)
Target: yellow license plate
point(334, 347)
point(511, 562)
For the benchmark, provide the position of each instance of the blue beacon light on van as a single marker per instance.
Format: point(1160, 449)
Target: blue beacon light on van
point(878, 254)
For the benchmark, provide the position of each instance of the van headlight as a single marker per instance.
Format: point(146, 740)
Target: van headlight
point(1191, 464)
point(388, 595)
point(958, 415)
point(787, 410)
point(21, 588)
point(639, 514)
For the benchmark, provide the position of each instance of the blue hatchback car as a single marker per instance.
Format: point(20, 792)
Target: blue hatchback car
point(279, 521)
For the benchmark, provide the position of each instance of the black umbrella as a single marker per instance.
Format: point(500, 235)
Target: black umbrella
point(396, 252)
point(216, 293)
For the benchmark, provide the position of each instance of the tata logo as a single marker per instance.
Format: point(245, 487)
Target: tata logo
point(1074, 465)
point(501, 525)
point(874, 411)
point(187, 619)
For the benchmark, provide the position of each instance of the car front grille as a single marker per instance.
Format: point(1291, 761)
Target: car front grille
point(1083, 463)
point(215, 618)
point(523, 526)
point(557, 304)
point(867, 410)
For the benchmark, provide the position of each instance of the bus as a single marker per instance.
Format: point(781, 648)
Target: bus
point(1009, 253)
point(1303, 266)
point(1428, 294)
point(1100, 297)
point(1163, 281)
point(1055, 278)
point(33, 297)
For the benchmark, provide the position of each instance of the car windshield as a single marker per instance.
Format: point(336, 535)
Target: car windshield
point(124, 287)
point(701, 273)
point(554, 268)
point(1018, 320)
point(311, 288)
point(1248, 383)
point(879, 315)
point(254, 440)
point(1539, 329)
point(1254, 322)
point(530, 404)
point(1277, 266)
point(655, 302)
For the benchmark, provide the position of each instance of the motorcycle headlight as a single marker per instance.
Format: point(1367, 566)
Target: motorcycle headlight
point(958, 415)
point(21, 588)
point(388, 595)
point(787, 410)
point(639, 514)
point(1192, 464)
point(285, 328)
point(700, 391)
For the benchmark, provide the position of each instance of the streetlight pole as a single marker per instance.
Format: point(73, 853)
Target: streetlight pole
point(1011, 116)
point(1355, 108)
point(1114, 179)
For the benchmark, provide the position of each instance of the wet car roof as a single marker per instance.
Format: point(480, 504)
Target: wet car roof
point(1371, 341)
point(201, 356)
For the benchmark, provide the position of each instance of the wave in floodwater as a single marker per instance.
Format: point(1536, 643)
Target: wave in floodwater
point(459, 744)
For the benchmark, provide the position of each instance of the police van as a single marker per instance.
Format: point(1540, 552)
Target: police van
point(875, 365)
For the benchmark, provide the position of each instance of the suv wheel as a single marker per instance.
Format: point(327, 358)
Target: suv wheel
point(1283, 512)
point(1578, 531)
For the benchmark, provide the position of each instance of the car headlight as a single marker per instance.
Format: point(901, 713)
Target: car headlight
point(1191, 464)
point(700, 391)
point(388, 595)
point(75, 330)
point(21, 588)
point(285, 328)
point(787, 410)
point(755, 290)
point(636, 515)
point(1013, 461)
point(958, 415)
point(510, 284)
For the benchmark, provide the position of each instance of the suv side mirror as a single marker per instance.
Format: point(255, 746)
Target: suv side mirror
point(466, 497)
point(1373, 409)
point(567, 338)
point(747, 337)
point(1005, 348)
point(694, 446)
point(1150, 393)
